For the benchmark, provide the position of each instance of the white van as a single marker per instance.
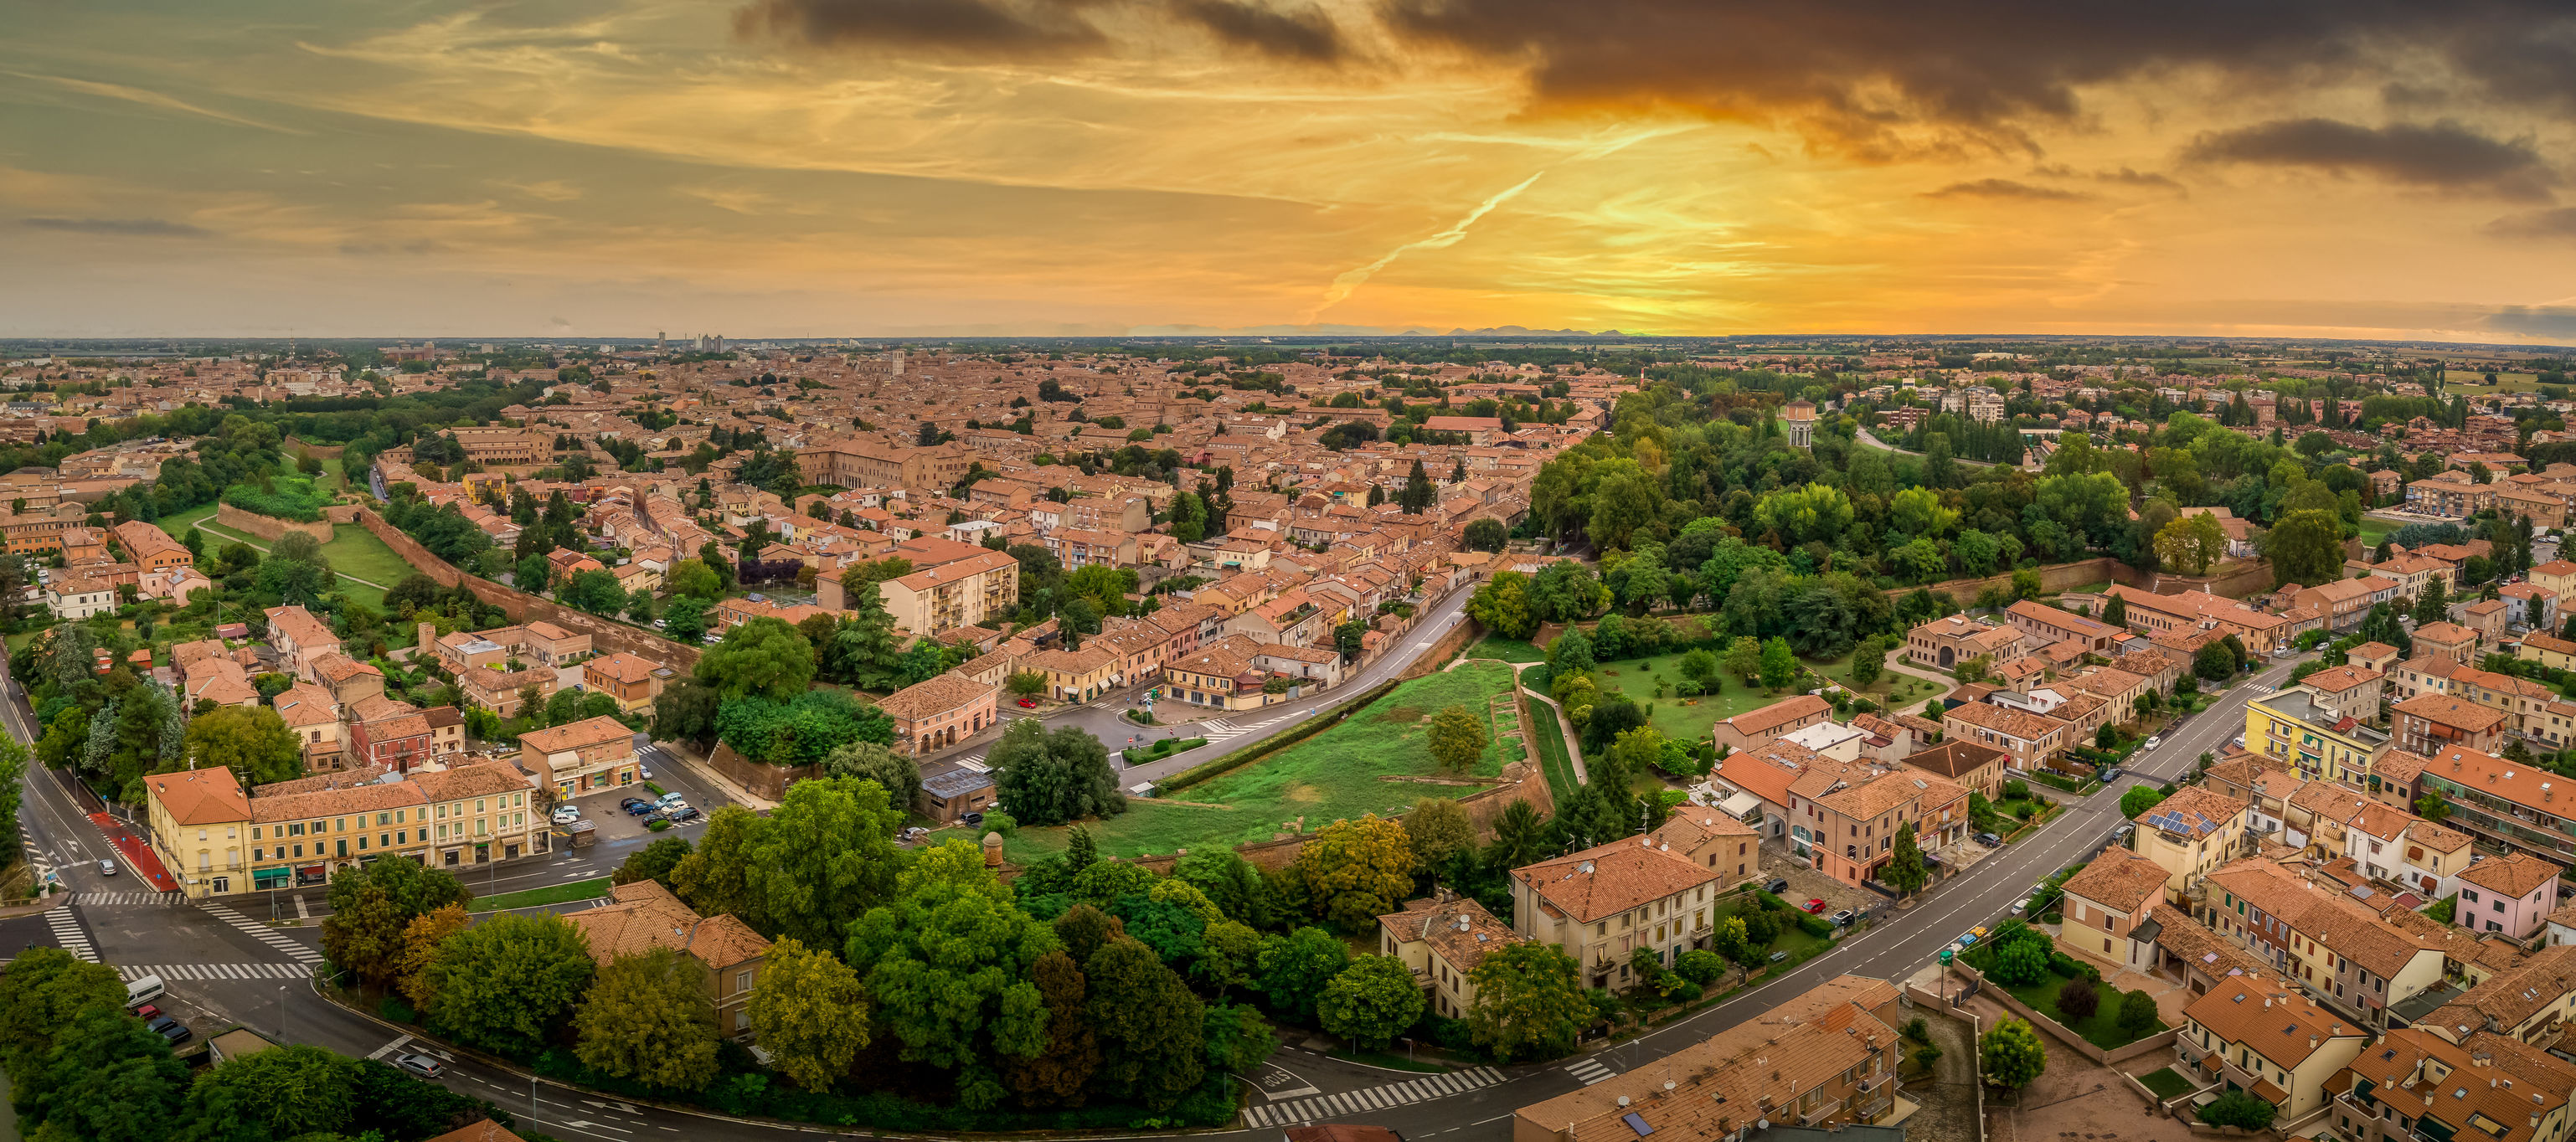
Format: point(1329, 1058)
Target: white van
point(143, 991)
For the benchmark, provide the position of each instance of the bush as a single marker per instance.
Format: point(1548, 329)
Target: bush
point(1816, 926)
point(2077, 1000)
point(1917, 1030)
point(1700, 966)
point(393, 1010)
point(2237, 1108)
point(1925, 1055)
point(2137, 1013)
point(656, 825)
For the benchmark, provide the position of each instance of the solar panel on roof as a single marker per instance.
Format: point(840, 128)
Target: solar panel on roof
point(1637, 1124)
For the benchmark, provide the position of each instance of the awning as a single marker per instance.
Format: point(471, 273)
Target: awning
point(266, 877)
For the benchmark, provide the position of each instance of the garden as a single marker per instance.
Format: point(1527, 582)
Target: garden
point(1377, 760)
point(1751, 929)
point(282, 496)
point(2025, 962)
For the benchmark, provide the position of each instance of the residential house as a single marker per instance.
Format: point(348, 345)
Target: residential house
point(1778, 719)
point(2190, 833)
point(2436, 722)
point(2030, 740)
point(584, 757)
point(2298, 727)
point(2107, 909)
point(1601, 904)
point(645, 917)
point(1944, 643)
point(1441, 940)
point(939, 713)
point(2259, 1035)
point(632, 680)
point(2511, 894)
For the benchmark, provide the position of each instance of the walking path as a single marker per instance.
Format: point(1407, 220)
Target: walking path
point(1564, 722)
point(1875, 442)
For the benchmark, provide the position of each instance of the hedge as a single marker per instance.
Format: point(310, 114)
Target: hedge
point(1252, 753)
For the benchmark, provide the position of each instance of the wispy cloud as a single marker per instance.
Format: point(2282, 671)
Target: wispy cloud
point(146, 98)
point(1350, 281)
point(122, 227)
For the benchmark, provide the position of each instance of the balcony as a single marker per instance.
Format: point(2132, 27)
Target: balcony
point(1825, 1110)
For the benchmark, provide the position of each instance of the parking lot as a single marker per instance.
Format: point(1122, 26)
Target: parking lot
point(1807, 884)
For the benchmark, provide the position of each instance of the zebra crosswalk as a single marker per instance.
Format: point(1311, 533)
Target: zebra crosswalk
point(1588, 1071)
point(262, 933)
point(1324, 1106)
point(149, 898)
point(69, 935)
point(133, 972)
point(1222, 729)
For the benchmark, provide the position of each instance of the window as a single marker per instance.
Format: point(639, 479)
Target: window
point(742, 980)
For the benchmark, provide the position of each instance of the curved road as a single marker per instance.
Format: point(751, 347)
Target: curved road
point(255, 977)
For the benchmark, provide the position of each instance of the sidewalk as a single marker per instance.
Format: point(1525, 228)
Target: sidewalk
point(698, 767)
point(138, 855)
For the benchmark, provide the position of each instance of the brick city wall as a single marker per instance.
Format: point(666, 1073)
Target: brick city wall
point(267, 527)
point(606, 637)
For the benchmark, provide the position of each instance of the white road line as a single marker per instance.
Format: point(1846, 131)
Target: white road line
point(389, 1048)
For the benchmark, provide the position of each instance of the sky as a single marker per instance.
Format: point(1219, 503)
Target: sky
point(783, 168)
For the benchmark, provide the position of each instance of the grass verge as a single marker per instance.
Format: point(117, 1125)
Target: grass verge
point(2165, 1082)
point(1549, 741)
point(551, 894)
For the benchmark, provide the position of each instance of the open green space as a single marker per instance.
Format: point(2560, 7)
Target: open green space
point(1892, 691)
point(178, 525)
point(2165, 1082)
point(1507, 650)
point(1359, 766)
point(1548, 740)
point(2374, 530)
point(290, 496)
point(355, 553)
point(2473, 382)
point(1685, 719)
point(2102, 1028)
point(550, 894)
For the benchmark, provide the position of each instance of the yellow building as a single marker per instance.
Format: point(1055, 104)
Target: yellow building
point(2190, 833)
point(2297, 730)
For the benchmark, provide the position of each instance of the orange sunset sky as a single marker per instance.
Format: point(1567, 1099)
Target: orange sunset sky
point(770, 168)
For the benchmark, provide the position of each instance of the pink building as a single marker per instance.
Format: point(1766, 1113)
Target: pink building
point(2511, 895)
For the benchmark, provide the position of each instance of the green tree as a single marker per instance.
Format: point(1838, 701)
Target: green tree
point(653, 862)
point(1457, 738)
point(900, 775)
point(686, 710)
point(2214, 662)
point(290, 1089)
point(534, 574)
point(1486, 534)
point(764, 657)
point(1529, 1003)
point(596, 591)
point(1051, 778)
point(949, 961)
point(1418, 494)
point(366, 935)
point(810, 1014)
point(2432, 807)
point(1731, 939)
point(1058, 1074)
point(41, 991)
point(2011, 1055)
point(2020, 962)
point(1150, 1027)
point(252, 742)
point(503, 985)
point(1744, 659)
point(2305, 547)
point(2433, 603)
point(1356, 871)
point(864, 649)
point(2191, 543)
point(2139, 799)
point(647, 1017)
point(1779, 664)
point(2237, 1108)
point(1700, 668)
point(1571, 651)
point(1026, 683)
point(2137, 1013)
point(695, 579)
point(715, 878)
point(1906, 871)
point(421, 939)
point(1869, 660)
point(685, 619)
point(822, 858)
point(1295, 968)
point(109, 1078)
point(1502, 604)
point(1371, 1002)
point(1439, 830)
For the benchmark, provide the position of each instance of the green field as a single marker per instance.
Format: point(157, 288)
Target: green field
point(178, 525)
point(1686, 719)
point(1506, 650)
point(2473, 382)
point(1547, 740)
point(1893, 691)
point(2374, 530)
point(354, 552)
point(1339, 773)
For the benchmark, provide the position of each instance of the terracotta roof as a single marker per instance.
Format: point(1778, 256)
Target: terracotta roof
point(300, 627)
point(588, 731)
point(2449, 711)
point(2119, 880)
point(1759, 723)
point(2513, 875)
point(2512, 996)
point(2340, 679)
point(1612, 878)
point(483, 779)
point(646, 916)
point(936, 695)
point(2265, 1015)
point(2021, 724)
point(622, 667)
point(2193, 810)
point(1459, 931)
point(484, 1131)
point(199, 796)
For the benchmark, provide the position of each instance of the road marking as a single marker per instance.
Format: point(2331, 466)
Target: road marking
point(1385, 1097)
point(96, 899)
point(68, 934)
point(262, 933)
point(389, 1048)
point(1589, 1071)
point(215, 971)
point(302, 912)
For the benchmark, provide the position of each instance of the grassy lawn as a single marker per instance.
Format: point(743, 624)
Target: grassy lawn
point(550, 894)
point(1340, 773)
point(1549, 740)
point(178, 525)
point(1893, 691)
point(1507, 649)
point(355, 553)
point(2374, 530)
point(2165, 1082)
point(1686, 719)
point(2102, 1030)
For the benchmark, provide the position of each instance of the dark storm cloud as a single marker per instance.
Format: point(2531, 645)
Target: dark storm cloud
point(2442, 155)
point(125, 227)
point(2535, 321)
point(986, 27)
point(2004, 188)
point(1307, 35)
point(1023, 29)
point(1885, 77)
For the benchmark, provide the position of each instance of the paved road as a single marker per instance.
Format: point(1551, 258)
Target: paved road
point(228, 966)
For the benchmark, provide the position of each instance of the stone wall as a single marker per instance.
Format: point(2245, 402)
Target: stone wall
point(2235, 579)
point(762, 780)
point(605, 637)
point(1459, 638)
point(266, 527)
point(2055, 578)
point(2061, 1032)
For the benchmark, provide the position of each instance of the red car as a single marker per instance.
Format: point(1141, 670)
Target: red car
point(147, 1013)
point(1816, 906)
point(1028, 703)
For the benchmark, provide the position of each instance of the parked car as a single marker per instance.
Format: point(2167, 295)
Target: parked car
point(672, 801)
point(1979, 931)
point(659, 624)
point(566, 814)
point(2239, 742)
point(1843, 918)
point(1028, 703)
point(2020, 906)
point(1990, 840)
point(421, 1066)
point(1815, 906)
point(1966, 940)
point(2112, 774)
point(170, 1029)
point(1776, 957)
point(681, 814)
point(2122, 833)
point(107, 868)
point(973, 818)
point(635, 806)
point(1778, 885)
point(147, 1013)
point(2155, 740)
point(653, 815)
